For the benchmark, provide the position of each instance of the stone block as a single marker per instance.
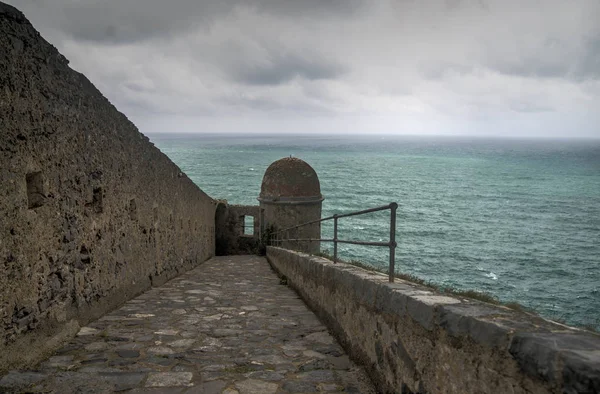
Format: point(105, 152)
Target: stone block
point(469, 320)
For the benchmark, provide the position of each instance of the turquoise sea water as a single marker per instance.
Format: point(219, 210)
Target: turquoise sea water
point(514, 218)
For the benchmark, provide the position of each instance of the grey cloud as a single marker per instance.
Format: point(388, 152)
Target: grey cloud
point(135, 107)
point(588, 65)
point(438, 71)
point(138, 88)
point(311, 8)
point(124, 21)
point(529, 107)
point(280, 68)
point(273, 105)
point(556, 61)
point(526, 68)
point(399, 61)
point(158, 106)
point(458, 4)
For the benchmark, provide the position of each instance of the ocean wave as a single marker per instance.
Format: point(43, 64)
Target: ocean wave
point(492, 276)
point(423, 233)
point(537, 225)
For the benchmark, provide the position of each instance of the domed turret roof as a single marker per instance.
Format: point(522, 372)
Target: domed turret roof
point(290, 178)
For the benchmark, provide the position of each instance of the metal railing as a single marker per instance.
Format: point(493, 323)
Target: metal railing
point(391, 244)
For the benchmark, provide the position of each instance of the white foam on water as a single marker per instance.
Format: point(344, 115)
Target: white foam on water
point(491, 275)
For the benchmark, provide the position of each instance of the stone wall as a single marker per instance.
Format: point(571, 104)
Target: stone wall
point(412, 340)
point(91, 213)
point(284, 215)
point(229, 224)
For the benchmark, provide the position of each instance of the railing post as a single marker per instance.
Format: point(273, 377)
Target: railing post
point(393, 207)
point(335, 238)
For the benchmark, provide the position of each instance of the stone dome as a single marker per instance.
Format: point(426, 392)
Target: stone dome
point(290, 179)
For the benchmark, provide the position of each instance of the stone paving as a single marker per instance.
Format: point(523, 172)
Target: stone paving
point(227, 326)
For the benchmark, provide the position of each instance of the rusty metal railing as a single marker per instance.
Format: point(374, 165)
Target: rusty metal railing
point(391, 244)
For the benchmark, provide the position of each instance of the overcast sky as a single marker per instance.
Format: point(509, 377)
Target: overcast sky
point(480, 67)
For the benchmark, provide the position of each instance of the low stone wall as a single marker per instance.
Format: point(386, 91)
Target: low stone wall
point(412, 340)
point(91, 213)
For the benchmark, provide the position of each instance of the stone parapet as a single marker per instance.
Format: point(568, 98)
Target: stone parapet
point(412, 339)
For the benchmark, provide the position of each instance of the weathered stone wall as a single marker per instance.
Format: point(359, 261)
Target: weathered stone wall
point(229, 225)
point(290, 195)
point(91, 213)
point(285, 215)
point(413, 340)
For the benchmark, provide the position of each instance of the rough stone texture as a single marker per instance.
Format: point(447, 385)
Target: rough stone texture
point(282, 216)
point(229, 227)
point(91, 213)
point(241, 331)
point(413, 340)
point(290, 177)
point(291, 195)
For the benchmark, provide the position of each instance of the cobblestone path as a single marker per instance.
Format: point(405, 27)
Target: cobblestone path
point(227, 326)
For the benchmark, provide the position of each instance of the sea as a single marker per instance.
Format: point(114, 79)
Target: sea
point(518, 219)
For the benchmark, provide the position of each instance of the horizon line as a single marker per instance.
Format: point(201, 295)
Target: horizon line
point(338, 134)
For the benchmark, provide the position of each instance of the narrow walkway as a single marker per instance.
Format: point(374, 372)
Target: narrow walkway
point(228, 326)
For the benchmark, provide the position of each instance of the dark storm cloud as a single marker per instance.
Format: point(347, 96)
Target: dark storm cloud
point(425, 65)
point(124, 21)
